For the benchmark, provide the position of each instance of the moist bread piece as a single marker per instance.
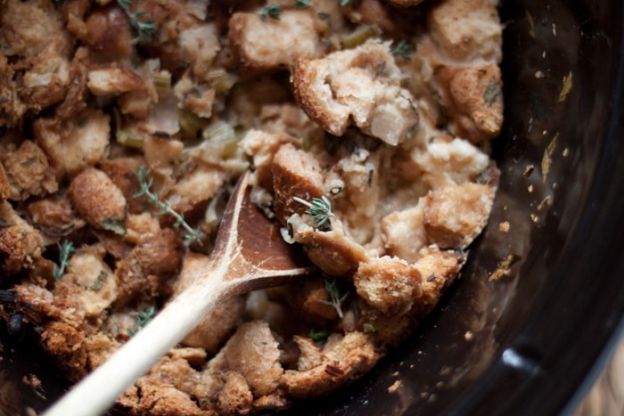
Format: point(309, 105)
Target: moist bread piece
point(265, 44)
point(359, 86)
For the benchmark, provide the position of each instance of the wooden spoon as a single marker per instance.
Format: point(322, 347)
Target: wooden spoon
point(249, 254)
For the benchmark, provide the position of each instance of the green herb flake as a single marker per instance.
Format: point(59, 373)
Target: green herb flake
point(303, 4)
point(143, 318)
point(66, 249)
point(318, 335)
point(99, 282)
point(402, 49)
point(191, 234)
point(344, 2)
point(320, 209)
point(114, 226)
point(369, 328)
point(143, 28)
point(4, 224)
point(491, 93)
point(272, 10)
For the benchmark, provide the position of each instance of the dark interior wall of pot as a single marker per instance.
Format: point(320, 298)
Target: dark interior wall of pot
point(522, 344)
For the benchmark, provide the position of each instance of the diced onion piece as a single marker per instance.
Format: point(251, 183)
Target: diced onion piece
point(221, 137)
point(360, 35)
point(162, 83)
point(190, 124)
point(221, 80)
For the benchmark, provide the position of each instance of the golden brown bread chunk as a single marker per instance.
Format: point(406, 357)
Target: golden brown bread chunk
point(113, 80)
point(54, 216)
point(143, 270)
point(76, 144)
point(46, 81)
point(11, 107)
point(467, 29)
point(361, 85)
point(474, 100)
point(344, 358)
point(388, 283)
point(21, 243)
point(295, 174)
point(235, 398)
point(262, 147)
point(456, 214)
point(66, 344)
point(28, 171)
point(108, 34)
point(253, 352)
point(316, 301)
point(98, 200)
point(273, 43)
point(122, 172)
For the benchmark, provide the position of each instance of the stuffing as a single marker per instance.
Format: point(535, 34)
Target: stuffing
point(46, 81)
point(331, 251)
point(344, 358)
point(54, 216)
point(295, 174)
point(201, 44)
point(88, 285)
point(28, 171)
point(20, 243)
point(98, 200)
point(272, 43)
point(143, 271)
point(235, 398)
point(125, 125)
point(262, 147)
point(467, 29)
point(11, 107)
point(108, 34)
point(76, 144)
point(360, 85)
point(29, 27)
point(474, 100)
point(388, 283)
point(113, 80)
point(403, 232)
point(438, 270)
point(456, 214)
point(253, 352)
point(445, 161)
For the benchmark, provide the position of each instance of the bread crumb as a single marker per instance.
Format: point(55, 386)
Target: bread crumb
point(395, 386)
point(502, 270)
point(468, 336)
point(528, 170)
point(503, 227)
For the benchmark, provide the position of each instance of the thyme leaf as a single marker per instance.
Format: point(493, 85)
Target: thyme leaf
point(191, 234)
point(66, 249)
point(320, 209)
point(272, 10)
point(402, 49)
point(335, 298)
point(143, 319)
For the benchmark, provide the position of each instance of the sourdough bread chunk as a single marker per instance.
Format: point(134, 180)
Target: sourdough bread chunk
point(273, 43)
point(359, 86)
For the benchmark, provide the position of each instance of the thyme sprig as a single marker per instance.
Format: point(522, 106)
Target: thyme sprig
point(318, 335)
point(303, 4)
point(191, 234)
point(335, 298)
point(320, 209)
point(143, 28)
point(66, 249)
point(143, 319)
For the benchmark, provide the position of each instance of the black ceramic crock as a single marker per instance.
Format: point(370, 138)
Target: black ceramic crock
point(532, 342)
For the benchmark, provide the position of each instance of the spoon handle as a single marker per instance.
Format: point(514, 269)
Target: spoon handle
point(97, 392)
